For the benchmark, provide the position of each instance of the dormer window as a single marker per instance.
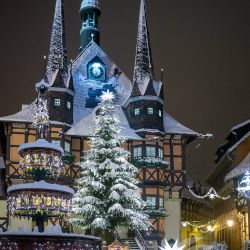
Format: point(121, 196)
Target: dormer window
point(160, 113)
point(137, 111)
point(150, 111)
point(57, 102)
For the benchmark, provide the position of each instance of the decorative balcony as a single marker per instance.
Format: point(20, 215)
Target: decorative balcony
point(149, 162)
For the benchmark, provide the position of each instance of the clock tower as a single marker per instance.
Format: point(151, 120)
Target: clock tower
point(90, 13)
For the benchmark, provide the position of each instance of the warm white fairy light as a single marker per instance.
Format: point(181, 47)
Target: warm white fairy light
point(168, 247)
point(211, 194)
point(107, 96)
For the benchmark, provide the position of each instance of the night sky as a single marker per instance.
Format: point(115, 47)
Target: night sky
point(204, 45)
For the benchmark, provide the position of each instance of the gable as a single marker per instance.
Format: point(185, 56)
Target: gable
point(88, 91)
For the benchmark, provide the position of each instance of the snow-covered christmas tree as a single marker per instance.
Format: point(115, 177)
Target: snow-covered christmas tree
point(108, 195)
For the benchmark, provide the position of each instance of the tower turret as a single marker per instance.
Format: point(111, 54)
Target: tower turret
point(60, 95)
point(90, 13)
point(144, 108)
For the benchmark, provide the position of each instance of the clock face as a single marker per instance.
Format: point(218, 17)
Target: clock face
point(96, 71)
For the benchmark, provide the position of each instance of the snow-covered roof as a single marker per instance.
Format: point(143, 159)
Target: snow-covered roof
point(172, 126)
point(241, 169)
point(41, 143)
point(26, 115)
point(86, 125)
point(41, 185)
point(2, 163)
point(90, 3)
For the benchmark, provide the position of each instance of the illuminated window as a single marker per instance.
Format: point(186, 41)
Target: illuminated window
point(57, 102)
point(150, 151)
point(137, 152)
point(67, 147)
point(69, 105)
point(151, 201)
point(161, 203)
point(150, 111)
point(160, 153)
point(160, 113)
point(137, 111)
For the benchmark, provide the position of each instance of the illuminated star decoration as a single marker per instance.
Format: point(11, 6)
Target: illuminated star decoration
point(244, 186)
point(107, 96)
point(211, 194)
point(168, 247)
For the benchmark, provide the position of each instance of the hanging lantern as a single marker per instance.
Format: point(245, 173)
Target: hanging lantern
point(244, 186)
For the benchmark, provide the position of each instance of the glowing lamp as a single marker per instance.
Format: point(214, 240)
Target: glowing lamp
point(230, 223)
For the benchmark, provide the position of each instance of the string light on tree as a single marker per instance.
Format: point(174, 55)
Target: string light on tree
point(211, 194)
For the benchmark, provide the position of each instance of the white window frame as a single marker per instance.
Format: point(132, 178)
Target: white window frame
point(150, 151)
point(68, 105)
point(137, 111)
point(57, 102)
point(137, 152)
point(160, 153)
point(150, 111)
point(151, 201)
point(161, 202)
point(67, 147)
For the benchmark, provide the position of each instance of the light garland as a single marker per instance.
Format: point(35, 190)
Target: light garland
point(211, 194)
point(27, 203)
point(208, 225)
point(244, 186)
point(41, 160)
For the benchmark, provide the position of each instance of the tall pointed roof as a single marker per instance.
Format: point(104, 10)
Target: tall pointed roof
point(57, 59)
point(143, 70)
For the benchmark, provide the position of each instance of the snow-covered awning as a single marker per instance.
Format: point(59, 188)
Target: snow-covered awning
point(41, 143)
point(41, 185)
point(241, 169)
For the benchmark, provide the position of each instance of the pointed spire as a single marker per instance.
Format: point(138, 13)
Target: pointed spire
point(143, 70)
point(57, 59)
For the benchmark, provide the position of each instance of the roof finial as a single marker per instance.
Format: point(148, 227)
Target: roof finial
point(92, 37)
point(162, 74)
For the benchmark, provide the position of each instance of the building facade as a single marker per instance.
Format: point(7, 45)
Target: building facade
point(233, 160)
point(156, 141)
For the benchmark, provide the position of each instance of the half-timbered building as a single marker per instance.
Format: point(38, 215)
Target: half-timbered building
point(157, 142)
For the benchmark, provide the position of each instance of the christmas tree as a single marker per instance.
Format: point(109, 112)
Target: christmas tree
point(108, 195)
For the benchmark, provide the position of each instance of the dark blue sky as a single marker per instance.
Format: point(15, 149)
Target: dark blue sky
point(203, 44)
